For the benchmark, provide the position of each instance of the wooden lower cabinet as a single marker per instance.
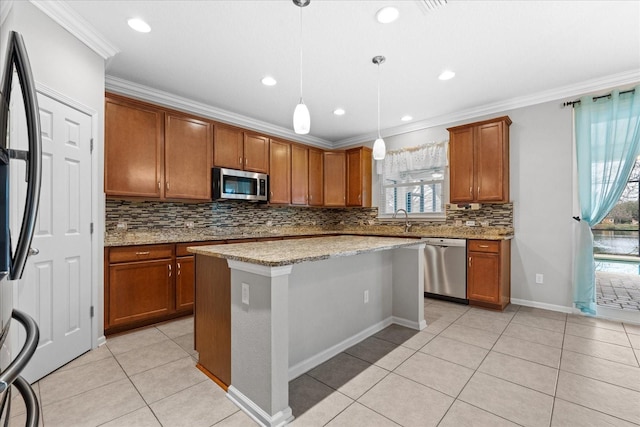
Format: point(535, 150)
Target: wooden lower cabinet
point(185, 280)
point(213, 318)
point(488, 273)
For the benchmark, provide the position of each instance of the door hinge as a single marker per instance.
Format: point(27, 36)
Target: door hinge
point(91, 145)
point(91, 311)
point(91, 228)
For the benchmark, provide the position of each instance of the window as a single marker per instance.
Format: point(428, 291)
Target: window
point(415, 180)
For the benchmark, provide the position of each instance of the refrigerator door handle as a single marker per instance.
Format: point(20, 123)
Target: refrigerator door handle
point(9, 375)
point(17, 55)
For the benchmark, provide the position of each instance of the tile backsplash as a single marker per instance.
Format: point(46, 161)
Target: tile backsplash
point(148, 214)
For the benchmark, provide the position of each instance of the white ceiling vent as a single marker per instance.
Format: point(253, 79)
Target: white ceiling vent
point(433, 4)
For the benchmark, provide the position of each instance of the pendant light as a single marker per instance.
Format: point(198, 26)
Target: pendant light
point(301, 116)
point(379, 149)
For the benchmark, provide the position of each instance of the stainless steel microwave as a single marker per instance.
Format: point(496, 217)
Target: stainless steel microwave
point(239, 185)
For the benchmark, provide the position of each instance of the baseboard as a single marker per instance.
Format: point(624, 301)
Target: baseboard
point(256, 413)
point(409, 323)
point(102, 340)
point(317, 359)
point(542, 305)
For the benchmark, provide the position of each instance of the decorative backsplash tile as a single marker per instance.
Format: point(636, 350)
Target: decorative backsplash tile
point(146, 215)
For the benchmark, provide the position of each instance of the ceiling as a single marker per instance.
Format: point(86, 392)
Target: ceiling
point(504, 53)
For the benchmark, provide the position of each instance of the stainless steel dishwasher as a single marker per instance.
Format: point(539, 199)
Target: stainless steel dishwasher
point(445, 269)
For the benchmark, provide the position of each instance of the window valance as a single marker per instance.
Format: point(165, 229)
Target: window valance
point(400, 164)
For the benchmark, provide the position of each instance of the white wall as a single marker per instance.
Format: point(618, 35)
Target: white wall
point(541, 190)
point(63, 64)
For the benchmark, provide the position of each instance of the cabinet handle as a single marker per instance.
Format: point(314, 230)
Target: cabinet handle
point(143, 253)
point(469, 261)
point(240, 161)
point(169, 270)
point(159, 187)
point(359, 197)
point(178, 272)
point(311, 197)
point(246, 161)
point(478, 190)
point(483, 246)
point(167, 185)
point(470, 190)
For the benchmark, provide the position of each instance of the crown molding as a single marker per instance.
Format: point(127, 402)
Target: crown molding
point(146, 93)
point(561, 93)
point(64, 15)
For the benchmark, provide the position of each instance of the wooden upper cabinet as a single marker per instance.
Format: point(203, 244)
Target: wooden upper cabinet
point(188, 158)
point(234, 148)
point(461, 165)
point(134, 142)
point(479, 161)
point(316, 177)
point(228, 151)
point(334, 178)
point(280, 176)
point(299, 175)
point(359, 177)
point(256, 153)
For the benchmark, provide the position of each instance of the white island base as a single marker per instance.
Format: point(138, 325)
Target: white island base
point(287, 319)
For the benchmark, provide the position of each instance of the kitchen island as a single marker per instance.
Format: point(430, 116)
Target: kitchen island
point(296, 303)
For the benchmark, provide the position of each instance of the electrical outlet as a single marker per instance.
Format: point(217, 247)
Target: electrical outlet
point(470, 223)
point(484, 223)
point(245, 294)
point(458, 223)
point(188, 224)
point(539, 278)
point(366, 296)
point(121, 226)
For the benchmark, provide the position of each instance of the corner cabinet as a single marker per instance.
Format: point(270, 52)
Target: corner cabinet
point(334, 178)
point(479, 161)
point(359, 177)
point(489, 273)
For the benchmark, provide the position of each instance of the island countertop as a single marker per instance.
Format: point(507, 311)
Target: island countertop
point(286, 252)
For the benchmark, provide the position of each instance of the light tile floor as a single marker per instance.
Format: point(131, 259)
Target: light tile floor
point(524, 366)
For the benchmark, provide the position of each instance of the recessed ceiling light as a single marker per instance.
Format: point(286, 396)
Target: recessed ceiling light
point(139, 25)
point(387, 14)
point(406, 118)
point(269, 81)
point(446, 75)
point(339, 112)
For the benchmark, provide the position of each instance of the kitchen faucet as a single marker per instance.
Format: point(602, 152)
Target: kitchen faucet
point(407, 226)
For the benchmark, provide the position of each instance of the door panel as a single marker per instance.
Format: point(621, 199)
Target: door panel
point(489, 162)
point(56, 286)
point(461, 160)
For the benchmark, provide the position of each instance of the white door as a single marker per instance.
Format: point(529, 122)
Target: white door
point(56, 286)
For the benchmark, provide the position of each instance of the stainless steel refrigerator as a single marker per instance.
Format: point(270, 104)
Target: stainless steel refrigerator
point(13, 255)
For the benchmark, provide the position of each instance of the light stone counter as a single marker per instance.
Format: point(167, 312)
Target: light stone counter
point(286, 252)
point(180, 235)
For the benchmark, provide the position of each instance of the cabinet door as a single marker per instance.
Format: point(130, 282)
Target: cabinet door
point(280, 176)
point(256, 153)
point(133, 149)
point(188, 158)
point(334, 178)
point(316, 177)
point(461, 161)
point(491, 172)
point(299, 175)
point(359, 177)
point(139, 291)
point(228, 147)
point(483, 277)
point(185, 282)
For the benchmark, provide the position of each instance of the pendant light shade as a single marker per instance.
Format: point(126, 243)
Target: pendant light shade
point(379, 147)
point(301, 116)
point(301, 119)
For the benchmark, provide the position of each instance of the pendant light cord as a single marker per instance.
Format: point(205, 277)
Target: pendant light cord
point(301, 54)
point(379, 100)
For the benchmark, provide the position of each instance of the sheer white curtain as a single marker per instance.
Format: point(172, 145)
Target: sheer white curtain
point(400, 163)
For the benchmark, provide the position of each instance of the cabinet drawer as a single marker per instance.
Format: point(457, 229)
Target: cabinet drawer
point(140, 253)
point(181, 248)
point(483, 246)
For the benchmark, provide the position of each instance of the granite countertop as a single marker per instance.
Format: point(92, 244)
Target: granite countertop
point(286, 252)
point(180, 235)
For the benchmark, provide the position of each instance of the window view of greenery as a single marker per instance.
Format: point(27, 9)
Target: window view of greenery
point(617, 234)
